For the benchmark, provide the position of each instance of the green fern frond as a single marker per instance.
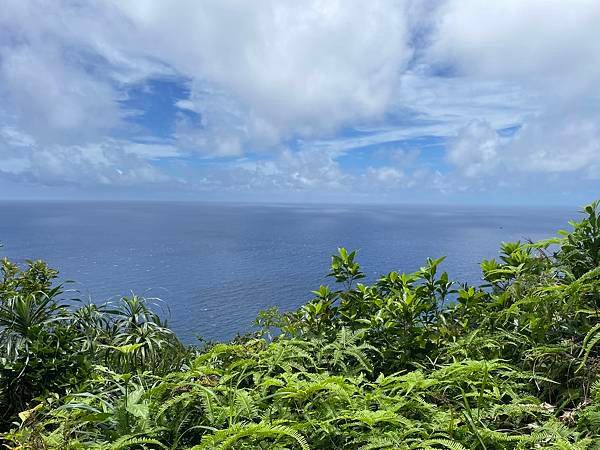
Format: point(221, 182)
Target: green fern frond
point(132, 441)
point(225, 439)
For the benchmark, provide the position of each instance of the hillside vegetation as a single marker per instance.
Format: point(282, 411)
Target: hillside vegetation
point(414, 361)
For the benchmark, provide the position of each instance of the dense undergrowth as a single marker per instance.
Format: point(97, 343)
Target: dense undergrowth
point(414, 361)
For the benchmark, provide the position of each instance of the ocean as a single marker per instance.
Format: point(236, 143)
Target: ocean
point(214, 266)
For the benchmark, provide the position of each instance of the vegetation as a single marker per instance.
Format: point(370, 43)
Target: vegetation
point(414, 361)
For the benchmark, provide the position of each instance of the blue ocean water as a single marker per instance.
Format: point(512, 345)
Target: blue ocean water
point(216, 265)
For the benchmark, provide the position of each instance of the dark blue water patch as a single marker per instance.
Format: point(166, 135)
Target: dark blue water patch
point(216, 265)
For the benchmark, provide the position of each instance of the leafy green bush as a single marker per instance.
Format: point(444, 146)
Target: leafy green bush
point(48, 348)
point(414, 361)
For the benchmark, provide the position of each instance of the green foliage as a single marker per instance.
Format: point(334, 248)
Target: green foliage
point(48, 348)
point(413, 361)
point(580, 248)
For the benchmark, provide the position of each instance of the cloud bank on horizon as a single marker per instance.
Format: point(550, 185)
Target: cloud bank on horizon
point(456, 100)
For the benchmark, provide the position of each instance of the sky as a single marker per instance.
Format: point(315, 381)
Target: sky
point(379, 101)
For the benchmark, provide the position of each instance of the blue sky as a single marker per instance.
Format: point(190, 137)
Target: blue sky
point(452, 101)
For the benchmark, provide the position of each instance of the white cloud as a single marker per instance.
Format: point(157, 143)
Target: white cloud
point(475, 149)
point(291, 68)
point(548, 49)
point(259, 73)
point(309, 169)
point(51, 99)
point(438, 106)
point(558, 143)
point(150, 150)
point(544, 145)
point(531, 41)
point(89, 165)
point(50, 86)
point(386, 175)
point(107, 163)
point(311, 174)
point(266, 73)
point(13, 137)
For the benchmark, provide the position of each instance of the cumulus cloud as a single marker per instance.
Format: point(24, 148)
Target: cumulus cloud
point(475, 149)
point(278, 94)
point(386, 175)
point(106, 163)
point(532, 42)
point(50, 84)
point(304, 170)
point(544, 145)
point(259, 74)
point(311, 173)
point(565, 142)
point(547, 48)
point(287, 68)
point(52, 100)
